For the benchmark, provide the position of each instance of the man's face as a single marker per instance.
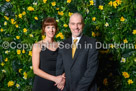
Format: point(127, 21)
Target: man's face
point(76, 25)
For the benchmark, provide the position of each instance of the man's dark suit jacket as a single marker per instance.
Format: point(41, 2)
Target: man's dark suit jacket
point(81, 70)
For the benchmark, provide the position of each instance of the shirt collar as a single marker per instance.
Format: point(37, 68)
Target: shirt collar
point(77, 38)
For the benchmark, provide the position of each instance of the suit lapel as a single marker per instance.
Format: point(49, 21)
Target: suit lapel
point(78, 50)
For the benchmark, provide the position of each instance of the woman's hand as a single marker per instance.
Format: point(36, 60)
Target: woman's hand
point(61, 84)
point(58, 79)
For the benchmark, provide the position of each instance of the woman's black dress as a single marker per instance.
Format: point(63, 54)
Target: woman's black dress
point(47, 64)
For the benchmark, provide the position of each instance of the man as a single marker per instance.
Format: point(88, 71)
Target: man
point(78, 63)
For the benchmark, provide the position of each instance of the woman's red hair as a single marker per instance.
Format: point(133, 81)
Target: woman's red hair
point(48, 22)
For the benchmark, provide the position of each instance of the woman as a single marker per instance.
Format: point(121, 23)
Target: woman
point(44, 55)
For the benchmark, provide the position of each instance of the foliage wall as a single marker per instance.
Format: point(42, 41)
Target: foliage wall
point(109, 21)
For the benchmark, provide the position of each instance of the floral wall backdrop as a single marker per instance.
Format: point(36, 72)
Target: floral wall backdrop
point(111, 22)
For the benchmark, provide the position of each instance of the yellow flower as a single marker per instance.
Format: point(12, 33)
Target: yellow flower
point(5, 23)
point(112, 46)
point(20, 15)
point(30, 53)
point(23, 13)
point(24, 30)
point(101, 7)
point(6, 52)
point(94, 18)
point(53, 3)
point(44, 1)
point(17, 26)
point(4, 71)
point(70, 13)
point(23, 51)
point(60, 13)
point(6, 59)
point(125, 41)
point(106, 24)
point(93, 34)
point(17, 85)
point(65, 25)
point(18, 51)
point(118, 2)
point(43, 36)
point(115, 4)
point(91, 2)
point(31, 35)
point(105, 81)
point(17, 37)
point(10, 83)
point(1, 29)
point(2, 64)
point(125, 74)
point(13, 21)
point(97, 27)
point(36, 18)
point(123, 60)
point(57, 8)
point(87, 10)
point(25, 75)
point(110, 3)
point(30, 8)
point(135, 59)
point(60, 35)
point(135, 46)
point(7, 0)
point(68, 1)
point(57, 20)
point(6, 17)
point(122, 19)
point(34, 3)
point(130, 81)
point(31, 67)
point(19, 70)
point(134, 31)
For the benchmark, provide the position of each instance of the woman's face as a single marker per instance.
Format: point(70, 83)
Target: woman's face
point(50, 31)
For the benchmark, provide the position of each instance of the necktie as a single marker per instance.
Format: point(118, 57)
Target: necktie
point(74, 47)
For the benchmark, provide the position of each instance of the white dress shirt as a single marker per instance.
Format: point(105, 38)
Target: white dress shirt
point(78, 39)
